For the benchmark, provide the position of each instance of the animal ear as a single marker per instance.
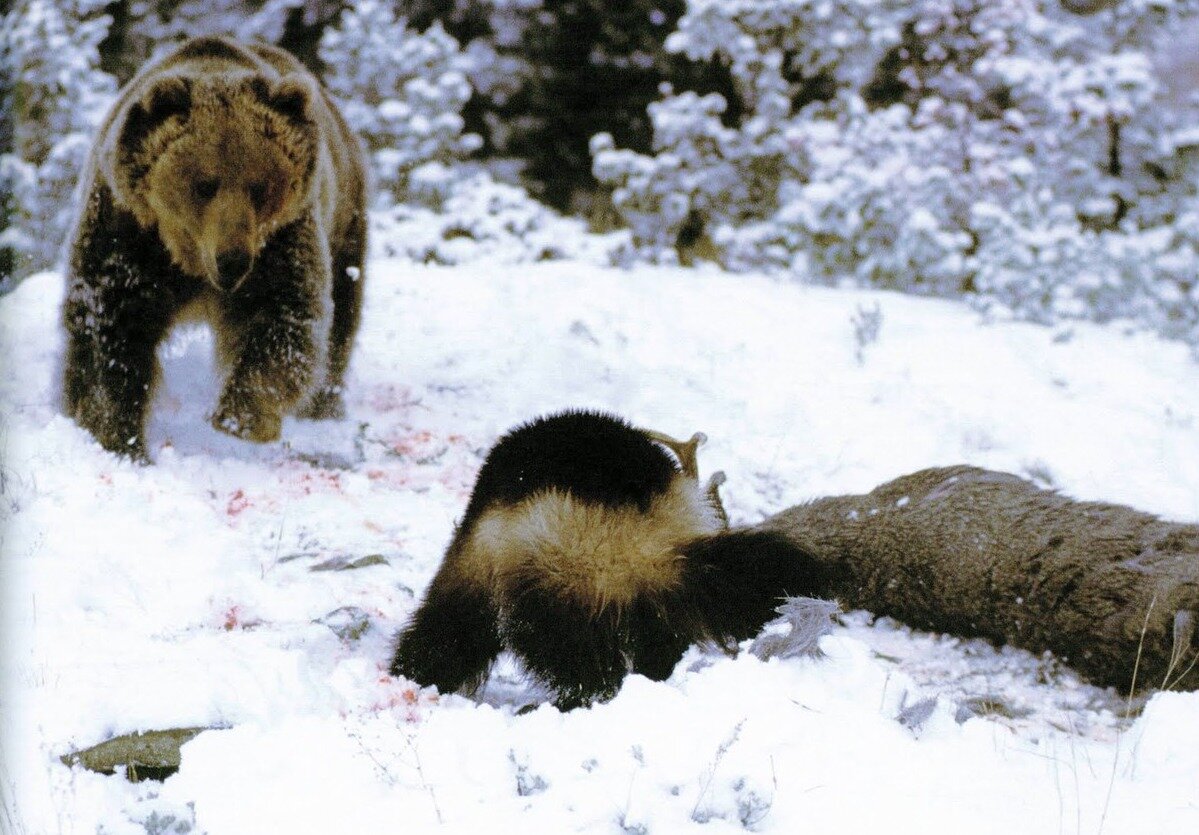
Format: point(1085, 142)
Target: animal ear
point(168, 96)
point(291, 96)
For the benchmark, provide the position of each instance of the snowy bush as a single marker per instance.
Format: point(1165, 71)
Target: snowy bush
point(1015, 152)
point(53, 98)
point(592, 66)
point(880, 202)
point(703, 175)
point(702, 172)
point(464, 215)
point(164, 23)
point(401, 91)
point(143, 29)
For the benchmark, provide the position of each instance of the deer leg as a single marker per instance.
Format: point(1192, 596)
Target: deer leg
point(685, 451)
point(712, 491)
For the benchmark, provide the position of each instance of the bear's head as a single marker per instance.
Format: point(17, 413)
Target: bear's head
point(217, 164)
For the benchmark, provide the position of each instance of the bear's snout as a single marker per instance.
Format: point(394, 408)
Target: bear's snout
point(231, 268)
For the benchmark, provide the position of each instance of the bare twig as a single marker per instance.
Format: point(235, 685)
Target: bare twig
point(1132, 687)
point(710, 774)
point(420, 772)
point(390, 778)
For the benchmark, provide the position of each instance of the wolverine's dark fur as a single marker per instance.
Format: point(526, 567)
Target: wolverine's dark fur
point(587, 552)
point(594, 457)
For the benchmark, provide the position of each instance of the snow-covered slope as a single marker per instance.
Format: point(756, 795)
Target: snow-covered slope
point(202, 590)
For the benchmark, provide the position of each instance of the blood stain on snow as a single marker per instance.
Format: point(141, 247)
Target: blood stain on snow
point(234, 618)
point(420, 458)
point(390, 398)
point(416, 445)
point(317, 481)
point(238, 502)
point(405, 698)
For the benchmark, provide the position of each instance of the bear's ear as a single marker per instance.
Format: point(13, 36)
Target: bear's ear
point(168, 96)
point(290, 96)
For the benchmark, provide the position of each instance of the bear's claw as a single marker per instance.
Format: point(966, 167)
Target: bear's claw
point(249, 426)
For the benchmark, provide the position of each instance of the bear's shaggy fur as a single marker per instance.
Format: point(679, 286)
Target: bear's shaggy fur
point(223, 185)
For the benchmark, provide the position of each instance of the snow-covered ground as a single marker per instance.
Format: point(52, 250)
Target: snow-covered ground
point(203, 590)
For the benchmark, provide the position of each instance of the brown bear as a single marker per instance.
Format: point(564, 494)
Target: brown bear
point(223, 185)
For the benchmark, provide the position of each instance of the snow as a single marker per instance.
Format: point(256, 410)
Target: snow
point(185, 593)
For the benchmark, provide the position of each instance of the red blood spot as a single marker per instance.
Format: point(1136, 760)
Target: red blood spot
point(318, 481)
point(399, 693)
point(388, 398)
point(237, 503)
point(413, 443)
point(235, 618)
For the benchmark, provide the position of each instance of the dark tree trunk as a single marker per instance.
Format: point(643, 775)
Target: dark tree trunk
point(1112, 591)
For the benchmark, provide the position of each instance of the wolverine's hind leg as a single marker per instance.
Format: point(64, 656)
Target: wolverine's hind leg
point(659, 634)
point(733, 580)
point(453, 637)
point(575, 651)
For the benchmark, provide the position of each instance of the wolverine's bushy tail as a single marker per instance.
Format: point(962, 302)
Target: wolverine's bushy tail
point(732, 582)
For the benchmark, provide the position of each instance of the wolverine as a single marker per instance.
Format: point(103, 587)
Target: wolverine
point(589, 549)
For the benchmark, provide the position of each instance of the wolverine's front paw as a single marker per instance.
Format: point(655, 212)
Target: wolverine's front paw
point(247, 423)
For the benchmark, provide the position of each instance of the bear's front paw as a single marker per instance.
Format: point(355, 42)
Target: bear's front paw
point(248, 424)
point(326, 404)
point(116, 428)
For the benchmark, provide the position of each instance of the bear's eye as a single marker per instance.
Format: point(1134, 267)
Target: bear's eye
point(205, 189)
point(257, 192)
